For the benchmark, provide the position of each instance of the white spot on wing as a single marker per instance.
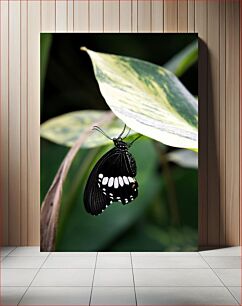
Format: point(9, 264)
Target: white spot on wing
point(121, 182)
point(105, 180)
point(131, 179)
point(126, 180)
point(110, 182)
point(100, 175)
point(119, 201)
point(116, 182)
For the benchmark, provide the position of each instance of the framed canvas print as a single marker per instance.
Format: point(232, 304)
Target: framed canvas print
point(119, 142)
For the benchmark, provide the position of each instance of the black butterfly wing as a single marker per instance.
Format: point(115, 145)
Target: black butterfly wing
point(111, 180)
point(95, 200)
point(117, 181)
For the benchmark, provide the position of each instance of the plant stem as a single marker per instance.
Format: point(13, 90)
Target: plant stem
point(50, 208)
point(170, 188)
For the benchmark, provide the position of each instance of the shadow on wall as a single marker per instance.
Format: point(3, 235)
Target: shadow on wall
point(209, 225)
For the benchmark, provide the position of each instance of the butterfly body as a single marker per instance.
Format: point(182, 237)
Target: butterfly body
point(112, 179)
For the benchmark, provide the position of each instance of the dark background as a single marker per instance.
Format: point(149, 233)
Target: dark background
point(70, 83)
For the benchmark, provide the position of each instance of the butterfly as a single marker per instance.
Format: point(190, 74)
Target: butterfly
point(113, 177)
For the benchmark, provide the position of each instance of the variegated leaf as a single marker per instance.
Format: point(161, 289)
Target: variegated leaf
point(148, 98)
point(67, 128)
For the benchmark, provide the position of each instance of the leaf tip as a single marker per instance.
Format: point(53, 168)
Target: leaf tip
point(84, 49)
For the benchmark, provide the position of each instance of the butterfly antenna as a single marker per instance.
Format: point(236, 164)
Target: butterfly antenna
point(127, 133)
point(122, 131)
point(130, 144)
point(97, 128)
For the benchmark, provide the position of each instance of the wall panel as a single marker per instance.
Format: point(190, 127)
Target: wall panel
point(144, 16)
point(33, 49)
point(4, 121)
point(24, 123)
point(217, 24)
point(213, 112)
point(134, 19)
point(61, 16)
point(201, 28)
point(81, 16)
point(96, 16)
point(70, 15)
point(182, 15)
point(232, 122)
point(171, 15)
point(125, 16)
point(157, 16)
point(48, 15)
point(14, 121)
point(222, 127)
point(111, 16)
point(191, 15)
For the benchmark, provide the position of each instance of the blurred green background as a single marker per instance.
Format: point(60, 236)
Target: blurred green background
point(164, 217)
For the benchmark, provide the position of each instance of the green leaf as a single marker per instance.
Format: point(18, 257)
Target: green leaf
point(45, 44)
point(186, 186)
point(148, 98)
point(174, 240)
point(184, 158)
point(67, 128)
point(51, 157)
point(182, 61)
